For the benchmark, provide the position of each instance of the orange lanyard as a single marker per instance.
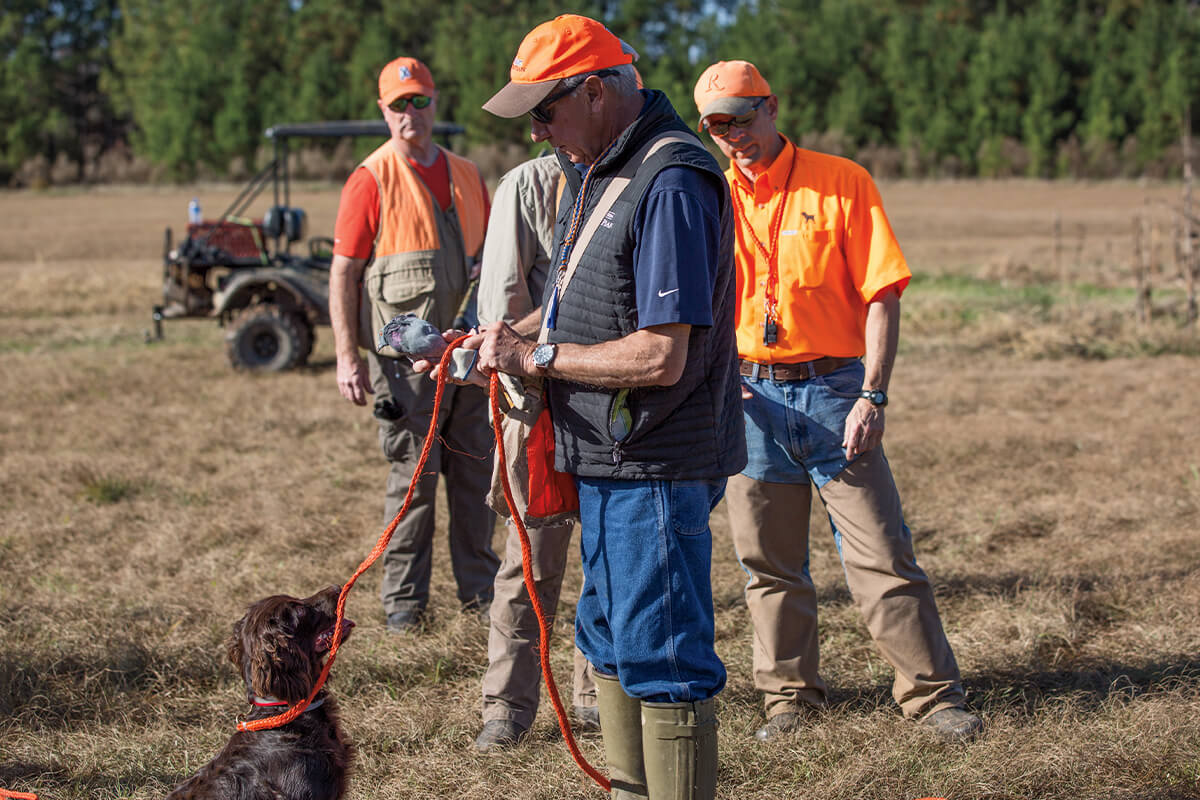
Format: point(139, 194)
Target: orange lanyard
point(771, 256)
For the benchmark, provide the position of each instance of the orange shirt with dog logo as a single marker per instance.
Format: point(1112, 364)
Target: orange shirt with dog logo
point(835, 251)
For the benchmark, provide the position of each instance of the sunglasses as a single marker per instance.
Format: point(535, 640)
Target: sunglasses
point(418, 101)
point(722, 128)
point(544, 114)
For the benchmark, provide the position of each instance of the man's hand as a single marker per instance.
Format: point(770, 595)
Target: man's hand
point(501, 349)
point(434, 367)
point(353, 379)
point(864, 428)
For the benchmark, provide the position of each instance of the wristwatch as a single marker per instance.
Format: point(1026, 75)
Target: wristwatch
point(877, 397)
point(543, 355)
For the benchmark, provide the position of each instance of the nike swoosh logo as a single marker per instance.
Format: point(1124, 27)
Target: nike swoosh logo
point(661, 293)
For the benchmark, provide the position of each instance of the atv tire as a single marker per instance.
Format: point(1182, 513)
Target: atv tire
point(266, 338)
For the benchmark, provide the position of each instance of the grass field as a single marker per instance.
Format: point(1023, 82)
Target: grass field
point(1047, 449)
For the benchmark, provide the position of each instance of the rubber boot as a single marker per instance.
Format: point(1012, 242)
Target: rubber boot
point(679, 745)
point(621, 729)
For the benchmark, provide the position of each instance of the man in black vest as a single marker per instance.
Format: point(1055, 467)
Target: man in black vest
point(636, 340)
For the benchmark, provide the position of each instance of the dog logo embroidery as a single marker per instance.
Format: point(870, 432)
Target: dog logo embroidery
point(404, 72)
point(809, 218)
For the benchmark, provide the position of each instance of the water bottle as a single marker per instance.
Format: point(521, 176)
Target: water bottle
point(194, 212)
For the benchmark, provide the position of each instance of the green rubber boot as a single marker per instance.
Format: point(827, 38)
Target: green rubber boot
point(679, 744)
point(621, 729)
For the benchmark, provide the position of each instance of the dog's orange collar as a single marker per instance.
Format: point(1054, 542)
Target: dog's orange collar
point(266, 702)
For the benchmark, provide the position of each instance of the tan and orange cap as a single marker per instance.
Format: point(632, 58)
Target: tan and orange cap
point(729, 87)
point(404, 76)
point(567, 45)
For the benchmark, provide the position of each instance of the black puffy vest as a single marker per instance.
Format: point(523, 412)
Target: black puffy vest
point(693, 429)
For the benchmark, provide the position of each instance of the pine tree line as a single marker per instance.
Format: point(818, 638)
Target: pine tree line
point(936, 87)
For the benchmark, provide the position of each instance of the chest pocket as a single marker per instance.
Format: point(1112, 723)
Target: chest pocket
point(806, 255)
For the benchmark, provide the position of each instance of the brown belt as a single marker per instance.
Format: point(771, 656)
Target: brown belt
point(794, 372)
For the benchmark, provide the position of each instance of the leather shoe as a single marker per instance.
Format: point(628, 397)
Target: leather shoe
point(587, 719)
point(499, 734)
point(954, 724)
point(780, 725)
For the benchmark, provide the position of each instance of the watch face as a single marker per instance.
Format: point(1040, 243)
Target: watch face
point(543, 354)
point(876, 396)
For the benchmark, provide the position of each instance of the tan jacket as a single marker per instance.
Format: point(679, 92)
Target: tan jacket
point(520, 240)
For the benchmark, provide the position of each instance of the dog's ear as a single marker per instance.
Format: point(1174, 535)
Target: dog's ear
point(233, 645)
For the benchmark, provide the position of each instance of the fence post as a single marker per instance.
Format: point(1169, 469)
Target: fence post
point(1059, 269)
point(1141, 270)
point(1186, 249)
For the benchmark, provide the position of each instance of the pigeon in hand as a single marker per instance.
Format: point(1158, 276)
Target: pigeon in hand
point(414, 337)
point(418, 339)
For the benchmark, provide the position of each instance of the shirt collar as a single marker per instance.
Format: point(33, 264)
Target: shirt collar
point(771, 181)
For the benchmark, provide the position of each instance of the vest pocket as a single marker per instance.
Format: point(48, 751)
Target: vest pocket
point(399, 285)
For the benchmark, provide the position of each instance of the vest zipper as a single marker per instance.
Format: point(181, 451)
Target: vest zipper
point(616, 453)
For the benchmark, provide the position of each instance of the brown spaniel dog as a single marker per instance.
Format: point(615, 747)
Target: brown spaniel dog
point(280, 647)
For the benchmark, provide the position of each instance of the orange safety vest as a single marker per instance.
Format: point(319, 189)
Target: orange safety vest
point(423, 255)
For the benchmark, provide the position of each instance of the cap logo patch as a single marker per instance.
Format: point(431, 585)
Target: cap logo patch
point(714, 83)
point(404, 72)
point(518, 63)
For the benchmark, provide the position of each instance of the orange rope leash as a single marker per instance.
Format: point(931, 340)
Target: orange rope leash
point(18, 795)
point(380, 546)
point(527, 572)
point(526, 568)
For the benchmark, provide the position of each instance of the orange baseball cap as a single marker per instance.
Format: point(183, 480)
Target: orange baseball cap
point(567, 45)
point(729, 87)
point(405, 76)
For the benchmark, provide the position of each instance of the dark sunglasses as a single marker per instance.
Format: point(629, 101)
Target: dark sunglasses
point(418, 101)
point(544, 114)
point(722, 128)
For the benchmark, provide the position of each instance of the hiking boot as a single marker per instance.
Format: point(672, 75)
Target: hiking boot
point(587, 719)
point(954, 724)
point(410, 620)
point(499, 734)
point(780, 725)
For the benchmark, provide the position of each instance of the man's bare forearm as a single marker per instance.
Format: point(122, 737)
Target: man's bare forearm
point(882, 335)
point(652, 356)
point(344, 296)
point(649, 357)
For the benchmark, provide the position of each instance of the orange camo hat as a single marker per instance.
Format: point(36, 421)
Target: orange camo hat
point(567, 45)
point(404, 76)
point(729, 87)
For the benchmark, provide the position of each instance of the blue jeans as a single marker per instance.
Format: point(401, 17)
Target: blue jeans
point(794, 428)
point(646, 612)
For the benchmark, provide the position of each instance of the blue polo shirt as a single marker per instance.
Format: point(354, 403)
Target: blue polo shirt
point(678, 230)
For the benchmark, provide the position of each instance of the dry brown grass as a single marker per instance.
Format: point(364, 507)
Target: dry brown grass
point(149, 493)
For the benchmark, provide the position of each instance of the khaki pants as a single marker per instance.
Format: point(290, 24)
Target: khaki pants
point(769, 523)
point(511, 684)
point(461, 454)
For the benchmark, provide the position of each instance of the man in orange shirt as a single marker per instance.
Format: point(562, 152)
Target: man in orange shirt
point(409, 232)
point(819, 279)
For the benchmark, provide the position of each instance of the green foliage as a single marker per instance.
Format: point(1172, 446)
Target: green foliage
point(956, 86)
point(51, 58)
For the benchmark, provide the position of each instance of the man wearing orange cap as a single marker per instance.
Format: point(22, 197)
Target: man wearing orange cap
point(635, 339)
point(409, 230)
point(819, 278)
